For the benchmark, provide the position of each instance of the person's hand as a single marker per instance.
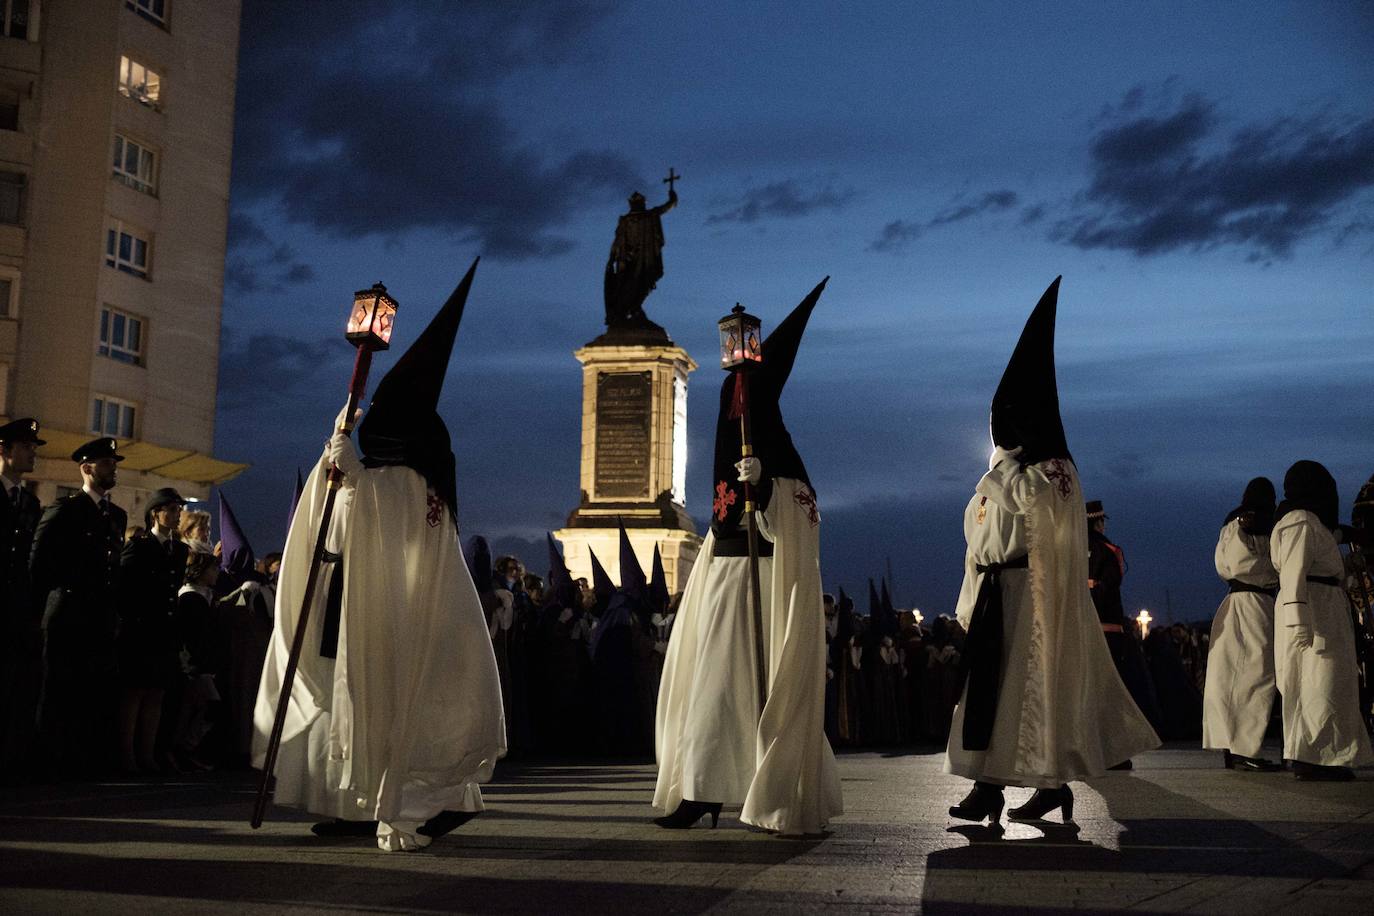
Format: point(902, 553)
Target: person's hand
point(1302, 636)
point(343, 415)
point(343, 455)
point(750, 469)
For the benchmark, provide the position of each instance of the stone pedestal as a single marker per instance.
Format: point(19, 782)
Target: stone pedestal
point(634, 456)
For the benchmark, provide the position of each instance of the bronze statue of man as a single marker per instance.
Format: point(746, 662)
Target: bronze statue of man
point(636, 261)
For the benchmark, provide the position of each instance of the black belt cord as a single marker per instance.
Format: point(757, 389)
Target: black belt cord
point(981, 665)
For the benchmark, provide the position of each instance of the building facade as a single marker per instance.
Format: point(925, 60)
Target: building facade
point(116, 133)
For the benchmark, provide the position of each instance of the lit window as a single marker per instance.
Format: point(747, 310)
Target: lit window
point(126, 249)
point(155, 11)
point(12, 197)
point(14, 18)
point(139, 83)
point(112, 417)
point(121, 336)
point(134, 164)
point(9, 107)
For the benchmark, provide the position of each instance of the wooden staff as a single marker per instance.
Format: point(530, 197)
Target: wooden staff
point(751, 526)
point(361, 365)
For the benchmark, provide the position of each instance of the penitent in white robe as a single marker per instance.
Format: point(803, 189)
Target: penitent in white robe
point(1062, 711)
point(1239, 694)
point(1319, 683)
point(711, 743)
point(407, 720)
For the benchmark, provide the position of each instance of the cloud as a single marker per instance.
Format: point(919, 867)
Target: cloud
point(899, 232)
point(1174, 180)
point(784, 199)
point(372, 127)
point(895, 235)
point(272, 364)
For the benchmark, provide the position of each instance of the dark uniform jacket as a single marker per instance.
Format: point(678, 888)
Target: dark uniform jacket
point(1106, 569)
point(151, 573)
point(18, 612)
point(75, 569)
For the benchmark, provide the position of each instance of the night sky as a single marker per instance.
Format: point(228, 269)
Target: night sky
point(1201, 174)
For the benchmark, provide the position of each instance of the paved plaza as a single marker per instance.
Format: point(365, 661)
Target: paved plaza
point(1179, 834)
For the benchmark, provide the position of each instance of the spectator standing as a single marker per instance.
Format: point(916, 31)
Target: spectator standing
point(75, 569)
point(153, 569)
point(21, 637)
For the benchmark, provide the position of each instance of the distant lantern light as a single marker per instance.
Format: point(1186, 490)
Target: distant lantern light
point(370, 322)
point(740, 339)
point(1143, 621)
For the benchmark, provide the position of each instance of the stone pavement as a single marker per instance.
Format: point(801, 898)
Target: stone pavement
point(1179, 834)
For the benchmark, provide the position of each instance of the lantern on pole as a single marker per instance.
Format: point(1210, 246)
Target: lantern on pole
point(741, 349)
point(369, 329)
point(1143, 621)
point(740, 339)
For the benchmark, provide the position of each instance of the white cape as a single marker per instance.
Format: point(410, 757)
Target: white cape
point(711, 744)
point(1239, 693)
point(407, 719)
point(1063, 713)
point(1319, 683)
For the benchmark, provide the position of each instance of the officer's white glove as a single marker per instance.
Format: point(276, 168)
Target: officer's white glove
point(341, 452)
point(750, 469)
point(1000, 454)
point(1302, 636)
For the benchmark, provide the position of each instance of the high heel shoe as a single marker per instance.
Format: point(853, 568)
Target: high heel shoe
point(984, 800)
point(688, 813)
point(1043, 802)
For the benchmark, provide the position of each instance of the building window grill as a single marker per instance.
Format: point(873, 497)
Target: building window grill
point(12, 185)
point(126, 250)
point(155, 11)
point(14, 19)
point(135, 165)
point(121, 336)
point(139, 83)
point(112, 417)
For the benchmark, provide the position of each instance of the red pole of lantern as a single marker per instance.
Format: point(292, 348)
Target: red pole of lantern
point(367, 344)
point(740, 409)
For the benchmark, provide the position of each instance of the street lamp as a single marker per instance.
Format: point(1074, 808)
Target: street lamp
point(1143, 620)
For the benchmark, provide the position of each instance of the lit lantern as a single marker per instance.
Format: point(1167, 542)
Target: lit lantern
point(374, 312)
point(918, 615)
point(740, 339)
point(1143, 620)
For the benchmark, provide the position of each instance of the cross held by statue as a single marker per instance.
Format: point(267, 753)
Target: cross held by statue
point(672, 177)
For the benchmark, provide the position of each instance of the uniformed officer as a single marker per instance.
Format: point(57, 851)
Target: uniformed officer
point(75, 569)
point(152, 570)
point(21, 641)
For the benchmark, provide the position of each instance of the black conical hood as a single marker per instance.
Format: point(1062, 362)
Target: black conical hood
point(632, 581)
point(1309, 485)
point(1025, 409)
point(402, 425)
point(768, 434)
point(602, 585)
point(478, 557)
point(562, 591)
point(1258, 503)
point(658, 585)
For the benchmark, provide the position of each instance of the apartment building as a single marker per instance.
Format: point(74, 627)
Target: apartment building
point(116, 130)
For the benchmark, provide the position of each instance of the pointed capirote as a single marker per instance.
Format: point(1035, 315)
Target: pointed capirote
point(562, 591)
point(236, 555)
point(602, 585)
point(632, 581)
point(1025, 407)
point(658, 585)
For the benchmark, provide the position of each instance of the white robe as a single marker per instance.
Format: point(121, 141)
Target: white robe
point(1062, 712)
point(1239, 694)
point(1319, 683)
point(711, 744)
point(407, 719)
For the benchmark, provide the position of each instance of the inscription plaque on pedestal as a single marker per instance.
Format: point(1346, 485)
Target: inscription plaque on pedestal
point(623, 408)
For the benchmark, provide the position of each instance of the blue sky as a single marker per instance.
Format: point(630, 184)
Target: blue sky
point(1200, 174)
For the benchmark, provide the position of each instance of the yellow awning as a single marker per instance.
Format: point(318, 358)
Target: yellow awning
point(174, 463)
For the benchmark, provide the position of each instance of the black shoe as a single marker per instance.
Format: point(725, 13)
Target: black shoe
point(445, 822)
point(984, 800)
point(688, 813)
point(1043, 802)
point(1255, 764)
point(1123, 765)
point(1314, 772)
point(1228, 760)
point(341, 827)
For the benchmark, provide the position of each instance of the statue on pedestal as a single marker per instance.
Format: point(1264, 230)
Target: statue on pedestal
point(636, 261)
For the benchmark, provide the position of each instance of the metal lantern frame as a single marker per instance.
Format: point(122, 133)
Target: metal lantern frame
point(372, 318)
point(741, 339)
